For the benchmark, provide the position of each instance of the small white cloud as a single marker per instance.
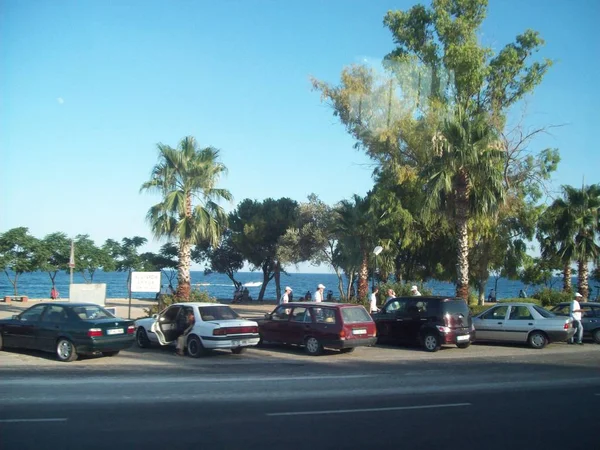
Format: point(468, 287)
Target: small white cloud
point(60, 100)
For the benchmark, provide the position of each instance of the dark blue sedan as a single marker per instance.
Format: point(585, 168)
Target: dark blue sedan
point(67, 329)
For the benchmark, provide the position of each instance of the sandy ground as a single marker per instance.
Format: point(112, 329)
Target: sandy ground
point(138, 307)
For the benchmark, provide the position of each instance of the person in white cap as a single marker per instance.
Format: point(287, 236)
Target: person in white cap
point(318, 297)
point(575, 311)
point(415, 291)
point(285, 297)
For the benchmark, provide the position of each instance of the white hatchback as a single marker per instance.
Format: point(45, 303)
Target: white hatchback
point(216, 326)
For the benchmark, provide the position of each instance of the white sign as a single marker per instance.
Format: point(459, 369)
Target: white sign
point(145, 281)
point(88, 293)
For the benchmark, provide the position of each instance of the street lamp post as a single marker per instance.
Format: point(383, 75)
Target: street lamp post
point(376, 251)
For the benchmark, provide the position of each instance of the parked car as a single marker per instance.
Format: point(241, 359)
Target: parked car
point(427, 321)
point(590, 318)
point(216, 326)
point(69, 329)
point(319, 325)
point(522, 322)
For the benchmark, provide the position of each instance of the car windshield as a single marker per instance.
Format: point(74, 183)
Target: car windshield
point(543, 312)
point(91, 312)
point(455, 307)
point(355, 314)
point(217, 313)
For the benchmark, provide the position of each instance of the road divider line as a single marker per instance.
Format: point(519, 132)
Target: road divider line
point(58, 419)
point(349, 411)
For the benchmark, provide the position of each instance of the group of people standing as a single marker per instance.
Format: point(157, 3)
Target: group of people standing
point(414, 290)
point(318, 296)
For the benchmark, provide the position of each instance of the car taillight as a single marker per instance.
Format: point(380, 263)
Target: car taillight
point(443, 329)
point(130, 329)
point(566, 327)
point(342, 334)
point(95, 332)
point(252, 329)
point(219, 332)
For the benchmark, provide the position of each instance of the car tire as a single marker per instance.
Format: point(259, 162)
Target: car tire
point(464, 345)
point(141, 337)
point(595, 336)
point(113, 353)
point(238, 350)
point(537, 340)
point(195, 349)
point(313, 346)
point(431, 342)
point(347, 350)
point(65, 350)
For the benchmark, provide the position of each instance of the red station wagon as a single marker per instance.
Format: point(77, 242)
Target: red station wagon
point(319, 325)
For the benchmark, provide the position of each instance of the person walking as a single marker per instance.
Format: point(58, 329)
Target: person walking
point(415, 291)
point(318, 297)
point(575, 310)
point(285, 297)
point(373, 303)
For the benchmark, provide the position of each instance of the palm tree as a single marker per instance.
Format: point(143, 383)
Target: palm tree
point(464, 179)
point(188, 213)
point(578, 224)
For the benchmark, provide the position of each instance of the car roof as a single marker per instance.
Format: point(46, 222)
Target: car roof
point(198, 304)
point(68, 304)
point(581, 303)
point(426, 297)
point(328, 304)
point(517, 304)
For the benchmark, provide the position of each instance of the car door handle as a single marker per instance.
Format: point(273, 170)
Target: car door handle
point(530, 323)
point(399, 320)
point(499, 323)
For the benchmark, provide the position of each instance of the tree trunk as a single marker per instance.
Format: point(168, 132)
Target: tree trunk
point(481, 289)
point(567, 278)
point(363, 278)
point(582, 280)
point(340, 284)
point(183, 270)
point(266, 278)
point(462, 254)
point(277, 275)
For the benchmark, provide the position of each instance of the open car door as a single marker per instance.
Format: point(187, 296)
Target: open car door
point(165, 325)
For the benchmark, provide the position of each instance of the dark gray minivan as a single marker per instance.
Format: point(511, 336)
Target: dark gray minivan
point(427, 321)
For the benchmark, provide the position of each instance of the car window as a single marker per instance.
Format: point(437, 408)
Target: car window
point(281, 314)
point(595, 312)
point(355, 314)
point(301, 315)
point(520, 313)
point(587, 311)
point(497, 313)
point(395, 305)
point(324, 315)
point(55, 314)
point(221, 312)
point(170, 314)
point(543, 311)
point(32, 314)
point(91, 312)
point(561, 310)
point(455, 307)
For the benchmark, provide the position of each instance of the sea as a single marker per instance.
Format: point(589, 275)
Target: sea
point(38, 284)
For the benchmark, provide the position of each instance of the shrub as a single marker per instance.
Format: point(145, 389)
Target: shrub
point(478, 309)
point(550, 297)
point(167, 300)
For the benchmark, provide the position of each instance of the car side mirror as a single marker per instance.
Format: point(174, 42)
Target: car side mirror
point(268, 316)
point(155, 316)
point(15, 317)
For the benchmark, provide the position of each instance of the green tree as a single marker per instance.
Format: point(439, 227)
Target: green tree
point(55, 250)
point(224, 258)
point(19, 254)
point(125, 254)
point(183, 176)
point(89, 258)
point(257, 228)
point(165, 261)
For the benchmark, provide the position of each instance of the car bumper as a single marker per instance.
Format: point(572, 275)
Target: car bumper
point(350, 343)
point(113, 344)
point(227, 342)
point(560, 335)
point(454, 338)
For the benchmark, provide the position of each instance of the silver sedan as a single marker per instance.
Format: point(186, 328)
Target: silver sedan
point(522, 322)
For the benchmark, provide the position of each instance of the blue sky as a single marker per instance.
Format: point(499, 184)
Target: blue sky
point(87, 89)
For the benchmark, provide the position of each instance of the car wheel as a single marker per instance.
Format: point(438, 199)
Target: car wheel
point(347, 350)
point(65, 350)
point(141, 337)
point(595, 336)
point(195, 348)
point(313, 346)
point(431, 342)
point(464, 345)
point(113, 353)
point(238, 350)
point(537, 340)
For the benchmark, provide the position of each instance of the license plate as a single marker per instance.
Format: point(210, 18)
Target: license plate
point(462, 338)
point(359, 331)
point(238, 343)
point(115, 331)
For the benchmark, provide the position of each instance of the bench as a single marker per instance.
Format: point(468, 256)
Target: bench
point(14, 298)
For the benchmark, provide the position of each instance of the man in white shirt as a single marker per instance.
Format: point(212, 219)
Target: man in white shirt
point(415, 291)
point(318, 297)
point(285, 297)
point(373, 304)
point(575, 310)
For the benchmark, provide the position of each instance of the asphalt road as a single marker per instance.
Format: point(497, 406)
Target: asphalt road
point(519, 400)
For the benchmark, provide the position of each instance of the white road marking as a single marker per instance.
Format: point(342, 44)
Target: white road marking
point(33, 420)
point(346, 411)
